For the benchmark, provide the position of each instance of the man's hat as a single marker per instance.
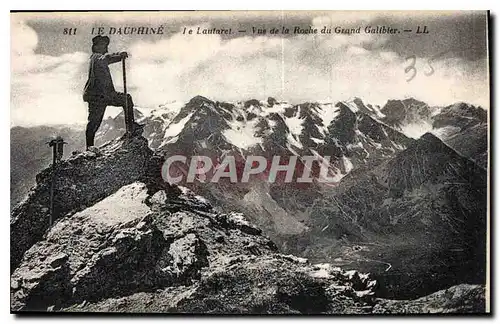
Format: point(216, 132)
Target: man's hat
point(98, 40)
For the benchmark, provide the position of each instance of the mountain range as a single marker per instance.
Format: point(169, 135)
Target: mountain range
point(408, 203)
point(124, 240)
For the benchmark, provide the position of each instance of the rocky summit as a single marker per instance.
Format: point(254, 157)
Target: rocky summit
point(122, 240)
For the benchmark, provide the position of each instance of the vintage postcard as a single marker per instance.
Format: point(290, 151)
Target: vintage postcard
point(250, 162)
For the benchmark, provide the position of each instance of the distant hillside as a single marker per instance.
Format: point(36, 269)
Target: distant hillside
point(30, 153)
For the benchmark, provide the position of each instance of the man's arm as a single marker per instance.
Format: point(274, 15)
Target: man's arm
point(114, 57)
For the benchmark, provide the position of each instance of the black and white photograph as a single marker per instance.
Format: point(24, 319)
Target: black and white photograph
point(250, 162)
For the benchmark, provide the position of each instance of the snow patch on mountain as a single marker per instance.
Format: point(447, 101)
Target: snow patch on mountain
point(415, 130)
point(166, 112)
point(435, 110)
point(242, 134)
point(317, 140)
point(445, 132)
point(348, 166)
point(173, 129)
point(376, 110)
point(351, 105)
point(277, 108)
point(327, 113)
point(294, 123)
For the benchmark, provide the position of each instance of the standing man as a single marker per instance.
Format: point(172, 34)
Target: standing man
point(99, 90)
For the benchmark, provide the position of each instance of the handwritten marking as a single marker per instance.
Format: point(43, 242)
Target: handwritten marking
point(411, 67)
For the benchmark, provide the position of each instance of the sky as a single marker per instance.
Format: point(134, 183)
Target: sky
point(49, 69)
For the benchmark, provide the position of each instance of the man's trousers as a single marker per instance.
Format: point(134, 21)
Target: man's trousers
point(97, 107)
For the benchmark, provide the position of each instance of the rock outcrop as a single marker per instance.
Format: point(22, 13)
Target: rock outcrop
point(457, 299)
point(79, 182)
point(133, 242)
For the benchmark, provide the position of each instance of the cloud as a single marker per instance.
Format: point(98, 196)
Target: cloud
point(297, 69)
point(23, 40)
point(47, 89)
point(357, 17)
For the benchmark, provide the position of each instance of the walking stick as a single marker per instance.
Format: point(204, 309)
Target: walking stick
point(52, 182)
point(127, 113)
point(57, 145)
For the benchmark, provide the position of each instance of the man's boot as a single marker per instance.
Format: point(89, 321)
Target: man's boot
point(137, 129)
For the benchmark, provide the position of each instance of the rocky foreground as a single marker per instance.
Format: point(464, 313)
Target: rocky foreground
point(127, 242)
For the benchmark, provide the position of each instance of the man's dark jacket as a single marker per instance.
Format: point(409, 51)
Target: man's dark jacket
point(100, 84)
